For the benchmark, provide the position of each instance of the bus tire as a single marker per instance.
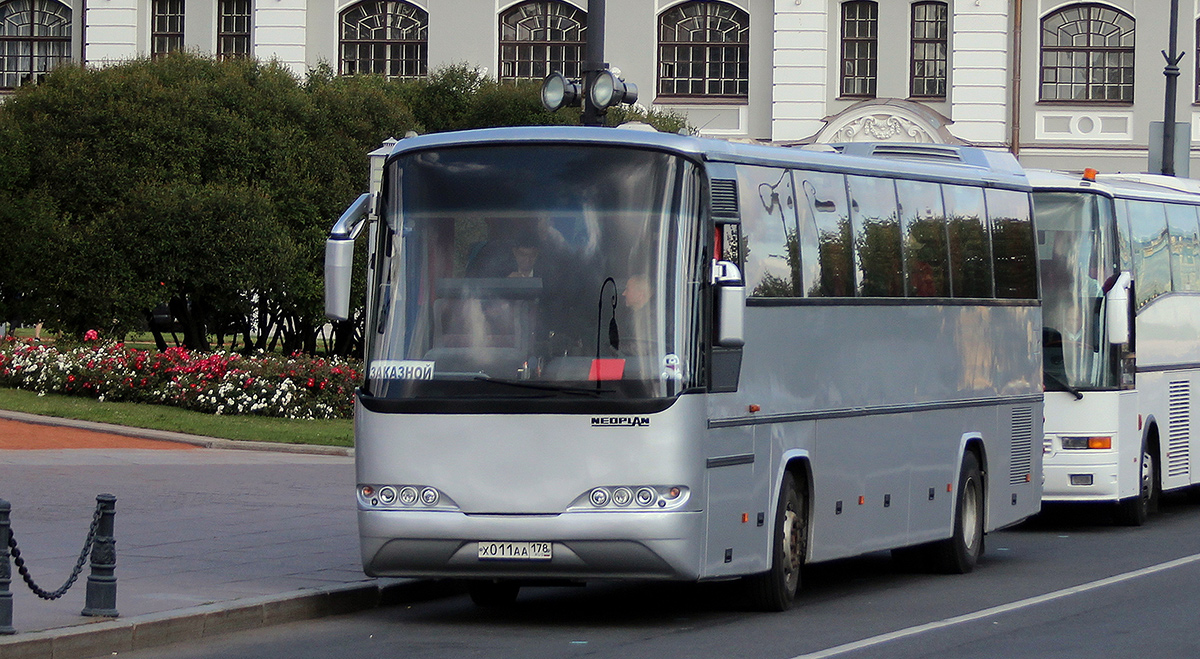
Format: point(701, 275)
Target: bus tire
point(960, 553)
point(775, 589)
point(493, 593)
point(1135, 510)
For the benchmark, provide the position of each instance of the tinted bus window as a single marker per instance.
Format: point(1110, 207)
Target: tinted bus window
point(769, 242)
point(925, 252)
point(970, 247)
point(876, 236)
point(1148, 239)
point(1185, 264)
point(1012, 244)
point(823, 198)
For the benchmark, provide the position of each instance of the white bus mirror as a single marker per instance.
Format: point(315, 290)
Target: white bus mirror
point(339, 268)
point(731, 304)
point(1116, 306)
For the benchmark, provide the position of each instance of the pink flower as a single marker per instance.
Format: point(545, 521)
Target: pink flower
point(91, 335)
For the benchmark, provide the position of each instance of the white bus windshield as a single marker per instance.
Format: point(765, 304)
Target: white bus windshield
point(536, 271)
point(1077, 254)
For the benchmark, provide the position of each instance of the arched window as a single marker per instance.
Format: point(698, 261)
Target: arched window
point(1087, 55)
point(537, 38)
point(860, 48)
point(35, 36)
point(388, 37)
point(704, 50)
point(930, 31)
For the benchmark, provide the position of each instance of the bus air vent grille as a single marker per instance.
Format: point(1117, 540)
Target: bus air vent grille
point(724, 200)
point(938, 152)
point(1021, 459)
point(1179, 420)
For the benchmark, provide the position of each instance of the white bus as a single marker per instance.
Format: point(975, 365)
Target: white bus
point(570, 379)
point(1119, 395)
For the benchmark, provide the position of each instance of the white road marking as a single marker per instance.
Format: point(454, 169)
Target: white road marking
point(997, 610)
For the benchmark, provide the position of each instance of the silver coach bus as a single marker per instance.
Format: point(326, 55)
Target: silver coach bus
point(598, 354)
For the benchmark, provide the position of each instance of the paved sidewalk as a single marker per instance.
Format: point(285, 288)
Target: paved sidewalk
point(207, 539)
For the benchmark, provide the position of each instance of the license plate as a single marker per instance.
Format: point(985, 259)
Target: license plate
point(515, 551)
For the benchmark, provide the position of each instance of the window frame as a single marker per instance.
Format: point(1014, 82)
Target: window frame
point(234, 43)
point(942, 78)
point(61, 42)
point(709, 13)
point(1087, 53)
point(846, 78)
point(172, 14)
point(544, 14)
point(404, 57)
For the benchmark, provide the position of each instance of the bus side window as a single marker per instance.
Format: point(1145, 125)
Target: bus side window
point(1012, 244)
point(823, 199)
point(970, 248)
point(1185, 251)
point(769, 248)
point(876, 223)
point(1151, 259)
point(925, 251)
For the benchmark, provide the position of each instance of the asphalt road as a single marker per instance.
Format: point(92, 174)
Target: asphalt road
point(1067, 584)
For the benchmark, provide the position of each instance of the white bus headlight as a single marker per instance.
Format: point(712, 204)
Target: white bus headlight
point(408, 495)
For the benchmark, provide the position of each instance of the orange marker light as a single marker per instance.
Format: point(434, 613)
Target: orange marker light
point(862, 500)
point(745, 517)
point(1100, 442)
point(949, 488)
point(753, 408)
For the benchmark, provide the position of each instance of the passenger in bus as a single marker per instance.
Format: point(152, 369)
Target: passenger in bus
point(636, 323)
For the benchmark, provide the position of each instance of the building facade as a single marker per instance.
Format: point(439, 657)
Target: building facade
point(1065, 84)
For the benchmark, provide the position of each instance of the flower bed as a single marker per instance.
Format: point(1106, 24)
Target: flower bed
point(297, 387)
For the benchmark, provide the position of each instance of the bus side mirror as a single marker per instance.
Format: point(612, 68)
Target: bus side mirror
point(1116, 305)
point(339, 258)
point(731, 304)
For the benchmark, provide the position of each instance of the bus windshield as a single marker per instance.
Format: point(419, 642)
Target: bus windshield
point(536, 271)
point(1077, 254)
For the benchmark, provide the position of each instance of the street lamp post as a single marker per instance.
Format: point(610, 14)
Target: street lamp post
point(599, 88)
point(1172, 73)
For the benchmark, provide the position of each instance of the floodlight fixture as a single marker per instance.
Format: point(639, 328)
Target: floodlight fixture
point(558, 92)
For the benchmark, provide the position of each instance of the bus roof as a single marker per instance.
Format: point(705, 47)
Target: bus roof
point(968, 164)
point(1152, 187)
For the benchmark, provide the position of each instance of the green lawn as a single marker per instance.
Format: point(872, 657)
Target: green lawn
point(339, 432)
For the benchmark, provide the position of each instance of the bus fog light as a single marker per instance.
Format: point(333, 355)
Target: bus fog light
point(1081, 479)
point(367, 491)
point(622, 496)
point(645, 496)
point(408, 496)
point(387, 495)
point(429, 496)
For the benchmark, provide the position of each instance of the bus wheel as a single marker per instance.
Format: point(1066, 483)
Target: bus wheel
point(960, 553)
point(1134, 511)
point(493, 593)
point(775, 589)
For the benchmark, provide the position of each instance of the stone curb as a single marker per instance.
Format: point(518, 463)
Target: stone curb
point(117, 635)
point(168, 436)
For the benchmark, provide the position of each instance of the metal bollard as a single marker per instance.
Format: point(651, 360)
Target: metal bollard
point(6, 603)
point(101, 598)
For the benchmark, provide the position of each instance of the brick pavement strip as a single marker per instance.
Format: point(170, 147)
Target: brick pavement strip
point(157, 629)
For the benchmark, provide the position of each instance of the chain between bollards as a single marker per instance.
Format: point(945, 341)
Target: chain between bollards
point(101, 596)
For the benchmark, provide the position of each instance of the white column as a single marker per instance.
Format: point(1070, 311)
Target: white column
point(280, 32)
point(800, 69)
point(980, 78)
point(112, 31)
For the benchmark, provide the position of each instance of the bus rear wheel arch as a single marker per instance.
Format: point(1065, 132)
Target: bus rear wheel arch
point(960, 553)
point(775, 589)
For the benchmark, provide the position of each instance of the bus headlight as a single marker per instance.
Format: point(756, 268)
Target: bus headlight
point(398, 497)
point(1082, 443)
point(631, 497)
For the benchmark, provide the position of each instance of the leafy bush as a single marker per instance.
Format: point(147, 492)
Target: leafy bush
point(296, 387)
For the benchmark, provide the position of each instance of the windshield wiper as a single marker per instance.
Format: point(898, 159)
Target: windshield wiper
point(1062, 383)
point(595, 393)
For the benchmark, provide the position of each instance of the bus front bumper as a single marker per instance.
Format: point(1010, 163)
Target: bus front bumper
point(1080, 478)
point(585, 545)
